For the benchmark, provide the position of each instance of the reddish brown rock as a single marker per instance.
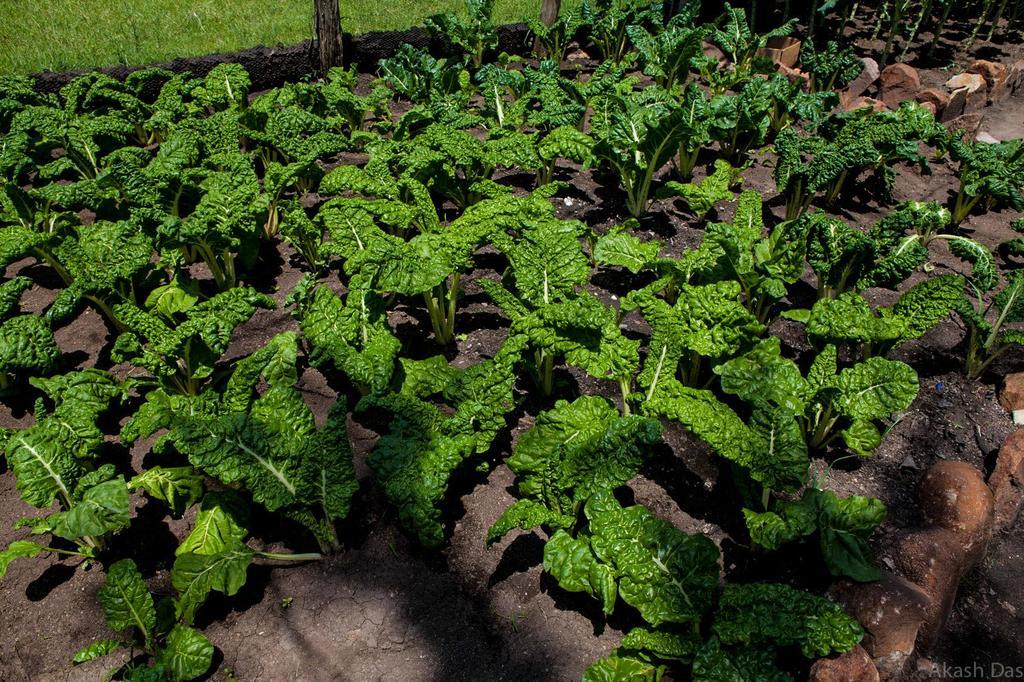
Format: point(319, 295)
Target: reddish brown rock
point(795, 75)
point(930, 107)
point(1015, 77)
point(937, 97)
point(992, 72)
point(898, 83)
point(1007, 481)
point(859, 85)
point(853, 666)
point(955, 106)
point(1011, 395)
point(986, 138)
point(971, 81)
point(967, 124)
point(976, 100)
point(861, 102)
point(935, 560)
point(892, 612)
point(954, 496)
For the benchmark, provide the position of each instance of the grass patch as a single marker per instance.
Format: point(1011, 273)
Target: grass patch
point(72, 34)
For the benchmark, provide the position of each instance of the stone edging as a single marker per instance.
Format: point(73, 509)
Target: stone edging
point(906, 610)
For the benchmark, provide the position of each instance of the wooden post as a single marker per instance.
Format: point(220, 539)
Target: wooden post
point(328, 34)
point(549, 10)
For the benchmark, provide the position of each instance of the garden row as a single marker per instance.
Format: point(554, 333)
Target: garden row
point(155, 200)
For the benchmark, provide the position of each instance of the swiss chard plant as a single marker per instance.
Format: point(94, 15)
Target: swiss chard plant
point(608, 22)
point(265, 442)
point(702, 196)
point(990, 175)
point(639, 134)
point(26, 341)
point(572, 452)
point(424, 445)
point(59, 459)
point(666, 54)
point(991, 322)
point(160, 648)
point(215, 556)
point(474, 34)
point(180, 345)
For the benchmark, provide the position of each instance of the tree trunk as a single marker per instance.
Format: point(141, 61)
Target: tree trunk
point(548, 15)
point(328, 34)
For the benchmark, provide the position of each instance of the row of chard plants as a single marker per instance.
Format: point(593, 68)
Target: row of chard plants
point(159, 199)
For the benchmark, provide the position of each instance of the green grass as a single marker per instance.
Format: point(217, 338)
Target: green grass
point(70, 34)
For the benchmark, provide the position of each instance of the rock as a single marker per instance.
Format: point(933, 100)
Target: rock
point(1015, 77)
point(937, 97)
point(859, 85)
point(968, 124)
point(955, 106)
point(1007, 481)
point(971, 81)
point(861, 102)
point(954, 496)
point(992, 72)
point(935, 560)
point(577, 56)
point(986, 138)
point(930, 107)
point(892, 612)
point(976, 100)
point(1011, 394)
point(853, 666)
point(898, 83)
point(795, 75)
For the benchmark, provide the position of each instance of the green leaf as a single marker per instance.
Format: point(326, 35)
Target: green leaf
point(104, 508)
point(194, 576)
point(572, 563)
point(526, 515)
point(619, 248)
point(27, 345)
point(876, 388)
point(98, 649)
point(126, 600)
point(186, 655)
point(667, 575)
point(862, 436)
point(19, 549)
point(220, 524)
point(846, 526)
point(178, 487)
point(714, 663)
point(759, 614)
point(621, 668)
point(663, 644)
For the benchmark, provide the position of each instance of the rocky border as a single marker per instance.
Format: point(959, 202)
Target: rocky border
point(905, 611)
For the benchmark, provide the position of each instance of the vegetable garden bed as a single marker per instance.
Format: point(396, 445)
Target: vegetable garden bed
point(453, 288)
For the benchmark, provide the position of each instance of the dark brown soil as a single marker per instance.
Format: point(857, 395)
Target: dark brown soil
point(386, 610)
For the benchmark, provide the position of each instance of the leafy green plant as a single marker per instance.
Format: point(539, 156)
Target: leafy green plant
point(666, 54)
point(831, 67)
point(474, 35)
point(554, 38)
point(989, 173)
point(266, 442)
point(215, 556)
point(424, 445)
point(180, 350)
point(26, 341)
point(58, 459)
point(177, 652)
point(845, 146)
point(988, 332)
point(573, 451)
point(701, 197)
point(414, 74)
point(850, 319)
point(843, 526)
point(609, 20)
point(733, 34)
point(642, 133)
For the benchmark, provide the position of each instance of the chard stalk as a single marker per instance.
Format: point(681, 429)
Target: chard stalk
point(276, 556)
